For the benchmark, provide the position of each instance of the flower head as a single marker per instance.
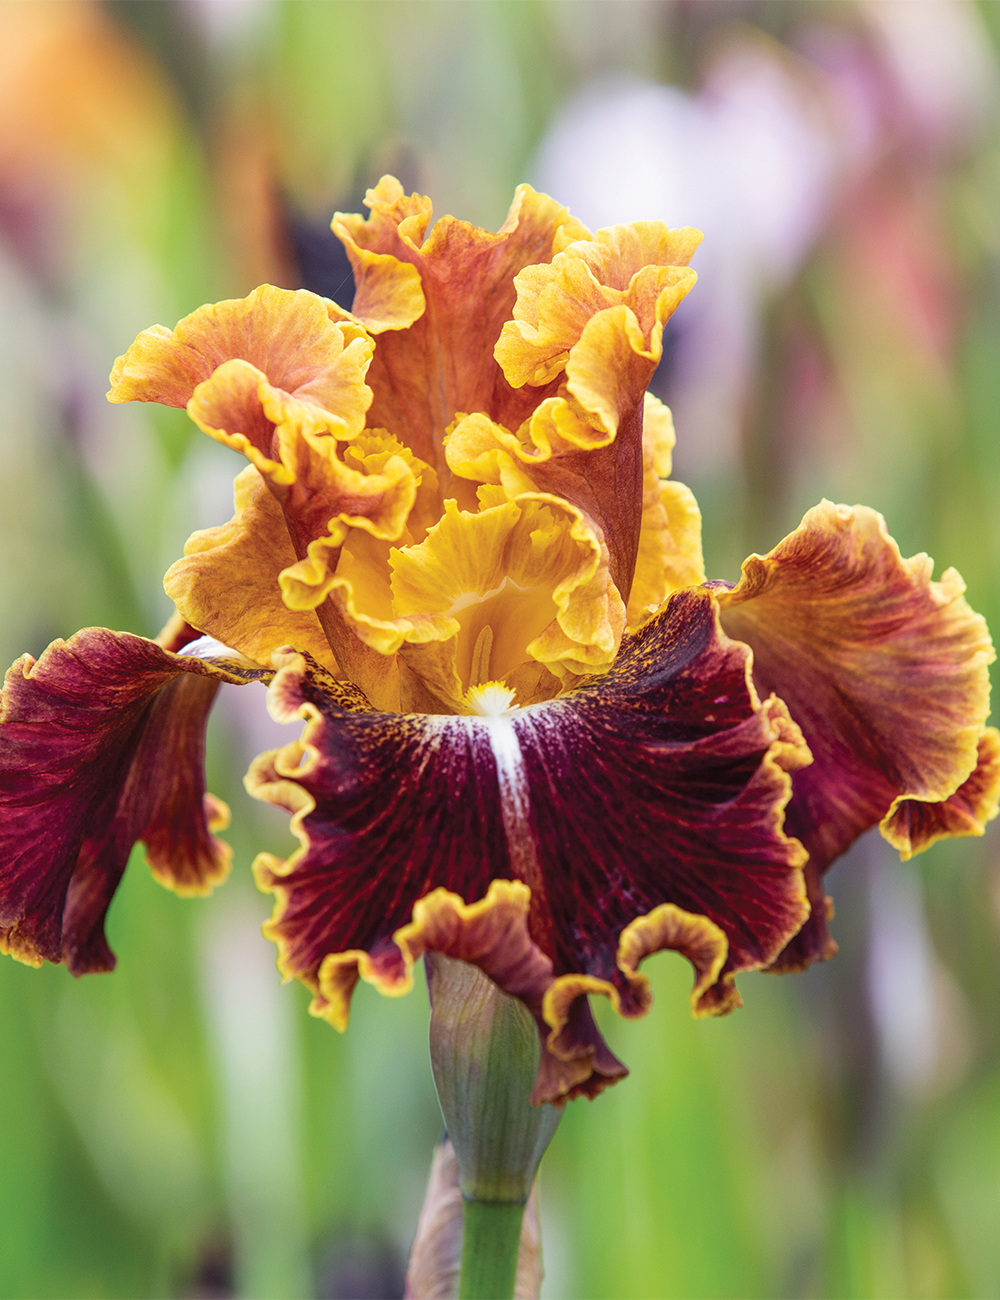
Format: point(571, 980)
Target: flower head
point(535, 739)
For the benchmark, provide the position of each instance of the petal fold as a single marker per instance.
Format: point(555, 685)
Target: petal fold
point(552, 452)
point(438, 304)
point(247, 366)
point(228, 583)
point(641, 266)
point(101, 745)
point(595, 315)
point(914, 825)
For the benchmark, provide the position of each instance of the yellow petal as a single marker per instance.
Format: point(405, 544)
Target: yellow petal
point(488, 593)
point(669, 555)
point(658, 436)
point(669, 549)
point(285, 336)
point(227, 583)
point(373, 488)
point(596, 312)
point(388, 293)
point(361, 591)
point(641, 266)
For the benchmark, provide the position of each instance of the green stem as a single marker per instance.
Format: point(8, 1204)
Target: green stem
point(491, 1242)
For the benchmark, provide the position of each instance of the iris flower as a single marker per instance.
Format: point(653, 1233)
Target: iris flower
point(536, 739)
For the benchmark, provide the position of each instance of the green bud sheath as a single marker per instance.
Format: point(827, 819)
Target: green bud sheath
point(484, 1053)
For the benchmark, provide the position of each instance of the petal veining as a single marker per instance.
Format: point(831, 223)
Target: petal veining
point(641, 812)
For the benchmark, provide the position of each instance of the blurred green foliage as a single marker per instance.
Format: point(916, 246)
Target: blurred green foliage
point(183, 1128)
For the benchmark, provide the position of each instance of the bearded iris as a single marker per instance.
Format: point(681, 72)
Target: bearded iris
point(536, 739)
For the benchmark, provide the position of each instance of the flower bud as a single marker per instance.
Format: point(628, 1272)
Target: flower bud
point(484, 1054)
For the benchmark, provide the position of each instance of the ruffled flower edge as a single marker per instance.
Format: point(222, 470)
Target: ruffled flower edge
point(492, 933)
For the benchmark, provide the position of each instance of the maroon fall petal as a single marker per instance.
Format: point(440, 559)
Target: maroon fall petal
point(657, 789)
point(102, 744)
point(886, 671)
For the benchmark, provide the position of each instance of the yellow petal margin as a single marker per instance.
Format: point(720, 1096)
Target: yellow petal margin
point(642, 267)
point(914, 825)
point(666, 928)
point(669, 553)
point(437, 303)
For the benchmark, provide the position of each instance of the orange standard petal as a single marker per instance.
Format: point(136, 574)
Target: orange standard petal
point(438, 304)
point(587, 332)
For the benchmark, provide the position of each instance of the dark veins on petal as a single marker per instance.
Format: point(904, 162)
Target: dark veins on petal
point(664, 781)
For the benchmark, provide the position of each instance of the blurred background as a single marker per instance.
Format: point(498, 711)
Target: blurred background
point(183, 1128)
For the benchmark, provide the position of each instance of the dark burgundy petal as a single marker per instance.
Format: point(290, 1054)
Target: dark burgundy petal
point(102, 744)
point(814, 942)
point(643, 811)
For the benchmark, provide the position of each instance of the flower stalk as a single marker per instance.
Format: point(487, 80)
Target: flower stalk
point(484, 1051)
point(491, 1242)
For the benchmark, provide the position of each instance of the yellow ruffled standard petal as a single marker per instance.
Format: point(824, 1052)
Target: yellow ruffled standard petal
point(595, 316)
point(669, 544)
point(488, 597)
point(374, 488)
point(272, 376)
point(388, 293)
point(227, 584)
point(294, 363)
point(237, 406)
point(642, 266)
point(438, 305)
